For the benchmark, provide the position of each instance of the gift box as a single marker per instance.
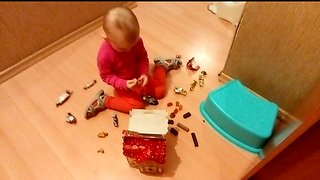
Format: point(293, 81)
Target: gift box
point(144, 144)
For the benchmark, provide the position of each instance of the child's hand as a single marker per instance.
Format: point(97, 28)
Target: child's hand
point(143, 80)
point(131, 83)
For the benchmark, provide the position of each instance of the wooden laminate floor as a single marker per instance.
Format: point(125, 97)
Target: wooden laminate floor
point(37, 143)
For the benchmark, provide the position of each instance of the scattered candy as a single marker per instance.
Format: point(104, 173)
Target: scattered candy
point(170, 121)
point(87, 86)
point(173, 131)
point(115, 120)
point(183, 127)
point(192, 65)
point(63, 98)
point(177, 103)
point(100, 151)
point(172, 115)
point(179, 90)
point(194, 138)
point(203, 73)
point(186, 115)
point(71, 119)
point(201, 78)
point(193, 85)
point(150, 100)
point(102, 134)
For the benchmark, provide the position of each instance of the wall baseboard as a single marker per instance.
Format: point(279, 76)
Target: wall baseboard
point(57, 45)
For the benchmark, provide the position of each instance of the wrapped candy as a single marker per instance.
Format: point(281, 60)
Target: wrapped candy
point(192, 65)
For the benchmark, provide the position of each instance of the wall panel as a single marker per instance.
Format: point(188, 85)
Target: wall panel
point(27, 27)
point(276, 54)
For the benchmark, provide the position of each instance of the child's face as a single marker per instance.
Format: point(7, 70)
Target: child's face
point(120, 44)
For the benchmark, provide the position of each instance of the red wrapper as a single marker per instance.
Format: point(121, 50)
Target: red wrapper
point(144, 148)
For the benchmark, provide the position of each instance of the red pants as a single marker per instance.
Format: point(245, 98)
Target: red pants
point(126, 100)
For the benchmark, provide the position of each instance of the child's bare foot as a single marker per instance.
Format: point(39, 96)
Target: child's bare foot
point(168, 63)
point(96, 106)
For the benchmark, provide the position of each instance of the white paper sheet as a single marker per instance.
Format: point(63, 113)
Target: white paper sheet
point(148, 121)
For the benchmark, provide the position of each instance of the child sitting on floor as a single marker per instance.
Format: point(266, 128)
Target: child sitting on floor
point(123, 63)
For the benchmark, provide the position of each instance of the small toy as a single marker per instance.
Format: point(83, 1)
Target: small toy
point(192, 65)
point(71, 119)
point(183, 127)
point(87, 86)
point(173, 131)
point(194, 138)
point(115, 120)
point(179, 90)
point(186, 115)
point(63, 98)
point(102, 134)
point(150, 100)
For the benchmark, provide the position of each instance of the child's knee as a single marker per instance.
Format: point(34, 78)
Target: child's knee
point(159, 93)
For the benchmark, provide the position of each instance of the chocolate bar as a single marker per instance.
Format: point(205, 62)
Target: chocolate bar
point(173, 131)
point(194, 138)
point(186, 115)
point(183, 127)
point(170, 121)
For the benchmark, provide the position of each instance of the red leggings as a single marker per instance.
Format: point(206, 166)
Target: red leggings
point(126, 100)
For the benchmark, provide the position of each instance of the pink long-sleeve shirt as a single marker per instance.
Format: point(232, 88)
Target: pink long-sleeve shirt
point(115, 68)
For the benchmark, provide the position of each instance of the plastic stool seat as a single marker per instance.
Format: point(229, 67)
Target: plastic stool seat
point(239, 115)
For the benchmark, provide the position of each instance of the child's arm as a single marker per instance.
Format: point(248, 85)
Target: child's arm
point(109, 77)
point(106, 72)
point(143, 58)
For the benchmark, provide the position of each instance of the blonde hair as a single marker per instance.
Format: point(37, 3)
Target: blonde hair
point(121, 20)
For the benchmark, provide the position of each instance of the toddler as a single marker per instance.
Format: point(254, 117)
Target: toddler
point(123, 63)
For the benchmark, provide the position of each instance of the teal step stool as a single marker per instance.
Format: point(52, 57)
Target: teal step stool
point(240, 116)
